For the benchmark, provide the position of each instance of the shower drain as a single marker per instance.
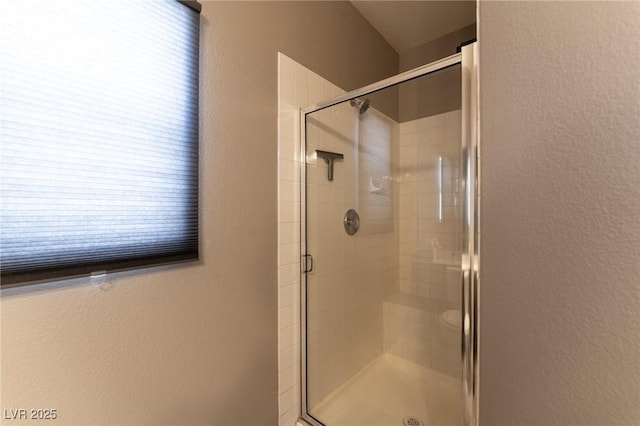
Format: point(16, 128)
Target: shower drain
point(413, 421)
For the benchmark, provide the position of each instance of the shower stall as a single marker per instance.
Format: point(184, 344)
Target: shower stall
point(389, 241)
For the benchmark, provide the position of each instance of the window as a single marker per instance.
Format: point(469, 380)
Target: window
point(99, 136)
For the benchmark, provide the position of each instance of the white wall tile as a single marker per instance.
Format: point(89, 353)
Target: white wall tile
point(289, 212)
point(289, 274)
point(287, 378)
point(290, 417)
point(289, 356)
point(288, 170)
point(288, 253)
point(288, 398)
point(314, 88)
point(301, 86)
point(289, 232)
point(289, 336)
point(288, 315)
point(288, 295)
point(288, 191)
point(293, 90)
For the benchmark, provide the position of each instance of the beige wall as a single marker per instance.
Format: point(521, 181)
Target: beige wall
point(438, 48)
point(194, 344)
point(560, 283)
point(440, 92)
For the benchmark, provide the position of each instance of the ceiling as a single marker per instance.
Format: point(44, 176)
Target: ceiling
point(407, 24)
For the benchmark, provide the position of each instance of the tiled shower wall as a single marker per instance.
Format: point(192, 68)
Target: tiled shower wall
point(429, 204)
point(430, 243)
point(297, 88)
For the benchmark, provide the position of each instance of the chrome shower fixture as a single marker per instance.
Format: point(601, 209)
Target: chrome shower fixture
point(361, 105)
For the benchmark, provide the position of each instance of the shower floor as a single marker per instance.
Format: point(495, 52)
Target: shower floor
point(389, 389)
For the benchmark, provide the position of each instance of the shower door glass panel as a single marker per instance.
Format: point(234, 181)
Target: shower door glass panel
point(383, 305)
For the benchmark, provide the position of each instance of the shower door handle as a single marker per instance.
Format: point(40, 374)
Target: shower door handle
point(307, 263)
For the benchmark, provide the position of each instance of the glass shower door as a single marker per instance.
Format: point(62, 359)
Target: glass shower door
point(384, 199)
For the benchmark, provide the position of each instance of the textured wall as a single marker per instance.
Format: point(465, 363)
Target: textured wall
point(194, 344)
point(560, 295)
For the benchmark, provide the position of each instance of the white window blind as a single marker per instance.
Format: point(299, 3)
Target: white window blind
point(99, 136)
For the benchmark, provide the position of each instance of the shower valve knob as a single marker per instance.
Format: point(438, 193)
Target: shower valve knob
point(351, 222)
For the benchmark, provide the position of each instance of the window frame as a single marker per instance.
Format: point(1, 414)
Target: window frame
point(51, 273)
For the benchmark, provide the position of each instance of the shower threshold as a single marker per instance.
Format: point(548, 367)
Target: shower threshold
point(389, 390)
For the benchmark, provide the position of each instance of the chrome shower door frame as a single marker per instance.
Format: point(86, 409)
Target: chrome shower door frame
point(470, 235)
point(470, 253)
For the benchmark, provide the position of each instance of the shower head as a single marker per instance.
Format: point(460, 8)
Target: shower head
point(362, 106)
